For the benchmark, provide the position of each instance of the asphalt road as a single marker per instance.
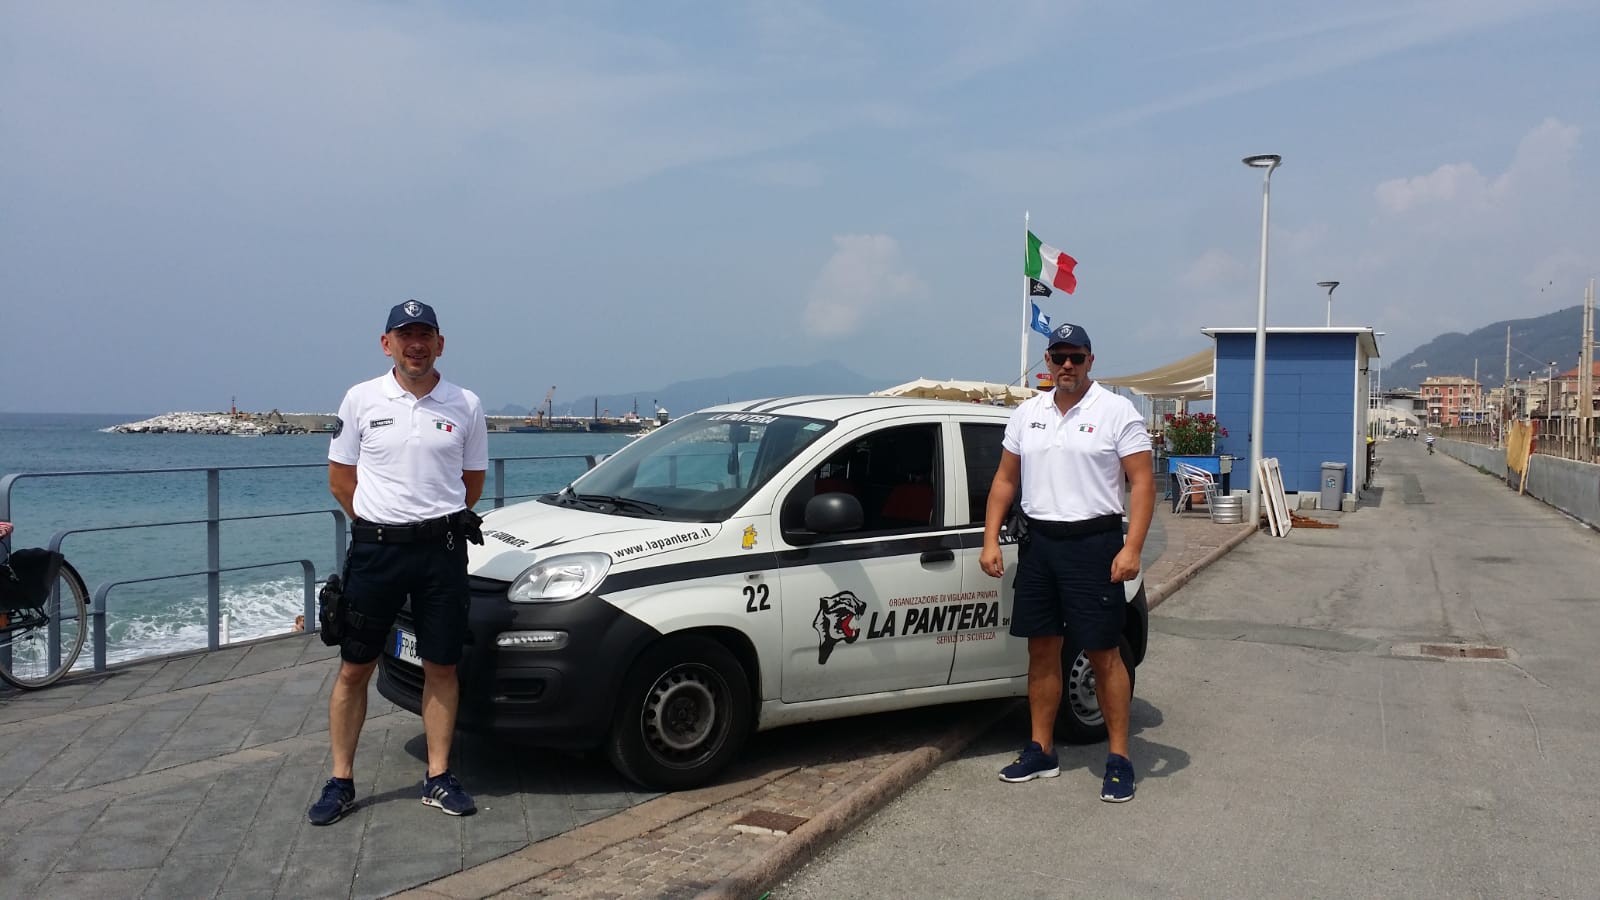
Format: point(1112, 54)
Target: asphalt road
point(1291, 742)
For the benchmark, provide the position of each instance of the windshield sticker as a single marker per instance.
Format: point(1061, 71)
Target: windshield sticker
point(652, 546)
point(752, 418)
point(748, 541)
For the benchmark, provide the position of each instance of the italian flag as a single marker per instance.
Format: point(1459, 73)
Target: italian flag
point(1051, 266)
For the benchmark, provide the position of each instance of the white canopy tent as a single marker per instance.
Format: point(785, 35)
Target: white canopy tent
point(979, 391)
point(1190, 378)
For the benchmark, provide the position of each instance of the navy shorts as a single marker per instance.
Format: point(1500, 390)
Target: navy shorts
point(1064, 587)
point(382, 576)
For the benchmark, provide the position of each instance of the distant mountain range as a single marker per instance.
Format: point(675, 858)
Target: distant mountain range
point(1534, 344)
point(687, 396)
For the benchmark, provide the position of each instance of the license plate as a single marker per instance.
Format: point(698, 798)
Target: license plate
point(405, 647)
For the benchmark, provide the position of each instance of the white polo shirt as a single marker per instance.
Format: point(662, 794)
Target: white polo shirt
point(409, 452)
point(1072, 462)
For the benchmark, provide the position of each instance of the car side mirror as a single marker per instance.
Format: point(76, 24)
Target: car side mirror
point(833, 513)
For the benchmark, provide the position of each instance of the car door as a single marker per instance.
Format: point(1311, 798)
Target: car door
point(985, 650)
point(859, 607)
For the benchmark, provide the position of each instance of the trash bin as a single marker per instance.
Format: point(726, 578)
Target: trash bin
point(1332, 486)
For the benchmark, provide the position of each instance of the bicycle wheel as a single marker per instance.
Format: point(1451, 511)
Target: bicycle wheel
point(33, 656)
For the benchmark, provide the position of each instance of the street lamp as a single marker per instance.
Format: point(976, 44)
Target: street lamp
point(1549, 389)
point(1258, 393)
point(1330, 285)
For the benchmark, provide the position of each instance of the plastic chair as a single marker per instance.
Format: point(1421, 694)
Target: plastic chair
point(1193, 482)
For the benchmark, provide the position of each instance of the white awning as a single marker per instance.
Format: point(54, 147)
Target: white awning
point(1189, 378)
point(981, 391)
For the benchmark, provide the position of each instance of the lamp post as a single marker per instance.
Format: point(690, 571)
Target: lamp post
point(1258, 392)
point(1330, 285)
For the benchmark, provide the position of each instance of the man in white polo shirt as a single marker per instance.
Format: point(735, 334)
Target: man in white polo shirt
point(1069, 451)
point(407, 463)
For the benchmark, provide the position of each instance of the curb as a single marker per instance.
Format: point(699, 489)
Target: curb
point(1158, 594)
point(811, 838)
point(821, 830)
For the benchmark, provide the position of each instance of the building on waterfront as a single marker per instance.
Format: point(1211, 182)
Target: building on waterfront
point(1453, 400)
point(1396, 409)
point(1316, 385)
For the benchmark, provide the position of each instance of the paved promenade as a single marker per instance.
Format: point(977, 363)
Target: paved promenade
point(1294, 736)
point(190, 778)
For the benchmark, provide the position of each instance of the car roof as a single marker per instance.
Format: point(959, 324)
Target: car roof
point(835, 407)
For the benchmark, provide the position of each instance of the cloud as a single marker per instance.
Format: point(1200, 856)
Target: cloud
point(1542, 159)
point(1214, 268)
point(1306, 51)
point(865, 277)
point(786, 173)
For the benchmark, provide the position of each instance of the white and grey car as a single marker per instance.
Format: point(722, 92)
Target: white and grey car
point(747, 567)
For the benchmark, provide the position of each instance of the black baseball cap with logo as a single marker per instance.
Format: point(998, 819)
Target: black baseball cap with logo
point(411, 312)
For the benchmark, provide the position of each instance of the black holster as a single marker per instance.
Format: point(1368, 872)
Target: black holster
point(331, 612)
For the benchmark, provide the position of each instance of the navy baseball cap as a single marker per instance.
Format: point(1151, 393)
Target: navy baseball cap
point(1068, 333)
point(411, 312)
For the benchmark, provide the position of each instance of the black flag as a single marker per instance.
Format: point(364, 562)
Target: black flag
point(1037, 288)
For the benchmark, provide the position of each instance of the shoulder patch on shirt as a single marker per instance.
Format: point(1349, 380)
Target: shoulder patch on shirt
point(338, 426)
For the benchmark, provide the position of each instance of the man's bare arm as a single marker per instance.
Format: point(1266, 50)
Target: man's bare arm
point(474, 482)
point(342, 483)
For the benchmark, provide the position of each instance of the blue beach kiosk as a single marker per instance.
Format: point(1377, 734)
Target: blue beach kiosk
point(1316, 402)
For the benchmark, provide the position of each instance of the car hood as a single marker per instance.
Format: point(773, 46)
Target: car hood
point(516, 537)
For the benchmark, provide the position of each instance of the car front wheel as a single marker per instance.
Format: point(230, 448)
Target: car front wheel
point(1079, 720)
point(683, 714)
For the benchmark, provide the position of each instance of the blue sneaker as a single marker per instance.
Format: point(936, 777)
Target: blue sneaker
point(1118, 786)
point(338, 797)
point(444, 791)
point(1031, 763)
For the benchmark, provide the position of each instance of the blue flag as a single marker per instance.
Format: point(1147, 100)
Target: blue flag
point(1041, 322)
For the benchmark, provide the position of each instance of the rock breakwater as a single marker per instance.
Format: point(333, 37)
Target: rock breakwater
point(240, 425)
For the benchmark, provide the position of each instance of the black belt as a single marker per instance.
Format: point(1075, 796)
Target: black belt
point(1096, 525)
point(433, 529)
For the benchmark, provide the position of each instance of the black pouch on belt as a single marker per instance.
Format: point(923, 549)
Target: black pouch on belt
point(330, 611)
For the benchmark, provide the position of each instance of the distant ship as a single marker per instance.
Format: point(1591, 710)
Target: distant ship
point(542, 422)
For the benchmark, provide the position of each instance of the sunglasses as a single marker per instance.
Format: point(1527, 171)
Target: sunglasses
point(1060, 357)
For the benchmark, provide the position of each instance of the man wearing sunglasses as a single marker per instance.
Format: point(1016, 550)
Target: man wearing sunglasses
point(1068, 452)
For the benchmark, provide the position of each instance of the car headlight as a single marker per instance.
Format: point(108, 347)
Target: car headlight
point(560, 578)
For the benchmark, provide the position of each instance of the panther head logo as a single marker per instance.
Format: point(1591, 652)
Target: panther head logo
point(835, 622)
point(413, 308)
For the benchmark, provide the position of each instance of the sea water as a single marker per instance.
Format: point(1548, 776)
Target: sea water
point(148, 613)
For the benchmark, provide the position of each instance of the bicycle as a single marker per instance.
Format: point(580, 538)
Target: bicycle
point(44, 607)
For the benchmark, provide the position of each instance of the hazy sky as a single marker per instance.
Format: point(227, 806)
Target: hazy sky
point(213, 199)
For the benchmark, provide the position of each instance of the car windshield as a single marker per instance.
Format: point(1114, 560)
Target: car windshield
point(700, 468)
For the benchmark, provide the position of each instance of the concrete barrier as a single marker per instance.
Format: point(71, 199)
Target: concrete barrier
point(1570, 486)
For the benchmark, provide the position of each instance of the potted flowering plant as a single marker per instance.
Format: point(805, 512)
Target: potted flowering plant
point(1194, 434)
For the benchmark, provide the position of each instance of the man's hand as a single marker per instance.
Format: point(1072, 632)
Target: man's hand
point(992, 561)
point(472, 526)
point(1125, 566)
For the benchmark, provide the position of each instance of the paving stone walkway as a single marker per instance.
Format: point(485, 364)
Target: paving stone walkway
point(190, 777)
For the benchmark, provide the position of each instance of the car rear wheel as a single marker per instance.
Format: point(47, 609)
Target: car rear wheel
point(1079, 720)
point(684, 713)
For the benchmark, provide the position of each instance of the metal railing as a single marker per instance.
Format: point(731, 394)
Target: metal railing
point(1563, 437)
point(496, 494)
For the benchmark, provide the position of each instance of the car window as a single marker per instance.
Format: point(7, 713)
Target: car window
point(981, 449)
point(699, 468)
point(893, 472)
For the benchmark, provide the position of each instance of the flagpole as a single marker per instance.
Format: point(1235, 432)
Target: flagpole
point(1027, 301)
